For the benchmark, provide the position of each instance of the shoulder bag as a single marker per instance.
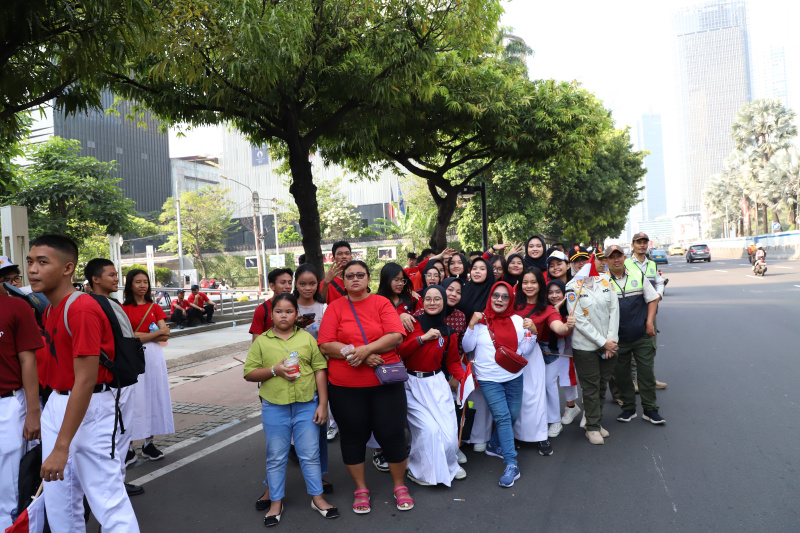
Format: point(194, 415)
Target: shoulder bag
point(508, 359)
point(389, 373)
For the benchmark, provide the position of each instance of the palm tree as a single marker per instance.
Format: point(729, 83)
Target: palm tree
point(783, 178)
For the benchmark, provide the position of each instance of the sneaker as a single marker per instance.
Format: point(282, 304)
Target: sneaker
point(626, 416)
point(660, 385)
point(461, 457)
point(583, 421)
point(545, 448)
point(595, 437)
point(461, 474)
point(130, 457)
point(180, 327)
point(133, 490)
point(417, 481)
point(510, 475)
point(332, 432)
point(479, 447)
point(151, 452)
point(570, 414)
point(380, 462)
point(604, 432)
point(652, 416)
point(210, 322)
point(554, 430)
point(491, 451)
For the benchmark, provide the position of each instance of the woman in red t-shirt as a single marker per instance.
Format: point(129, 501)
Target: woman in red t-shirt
point(431, 411)
point(395, 285)
point(360, 404)
point(540, 416)
point(152, 403)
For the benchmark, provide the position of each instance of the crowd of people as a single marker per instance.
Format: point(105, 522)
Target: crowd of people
point(453, 349)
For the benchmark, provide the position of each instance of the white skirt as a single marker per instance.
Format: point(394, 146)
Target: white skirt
point(152, 403)
point(434, 430)
point(482, 424)
point(531, 425)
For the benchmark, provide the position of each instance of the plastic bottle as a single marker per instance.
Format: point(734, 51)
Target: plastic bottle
point(234, 325)
point(292, 363)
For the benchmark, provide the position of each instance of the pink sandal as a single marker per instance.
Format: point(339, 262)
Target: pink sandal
point(403, 500)
point(361, 500)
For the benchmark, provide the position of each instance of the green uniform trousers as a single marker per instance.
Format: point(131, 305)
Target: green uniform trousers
point(644, 353)
point(593, 374)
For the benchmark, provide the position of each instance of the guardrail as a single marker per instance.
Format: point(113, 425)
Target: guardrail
point(163, 294)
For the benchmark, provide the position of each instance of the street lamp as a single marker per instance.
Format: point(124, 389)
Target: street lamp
point(469, 191)
point(256, 209)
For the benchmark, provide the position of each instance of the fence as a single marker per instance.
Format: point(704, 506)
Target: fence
point(784, 245)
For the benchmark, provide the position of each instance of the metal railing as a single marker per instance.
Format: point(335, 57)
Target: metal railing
point(164, 294)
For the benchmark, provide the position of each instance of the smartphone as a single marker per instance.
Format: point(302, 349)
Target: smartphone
point(310, 316)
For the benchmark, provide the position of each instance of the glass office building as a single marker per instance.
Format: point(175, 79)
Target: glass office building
point(651, 138)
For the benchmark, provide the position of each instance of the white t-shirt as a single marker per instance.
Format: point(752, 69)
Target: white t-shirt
point(318, 309)
point(484, 365)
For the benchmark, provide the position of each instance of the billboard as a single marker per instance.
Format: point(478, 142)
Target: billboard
point(259, 155)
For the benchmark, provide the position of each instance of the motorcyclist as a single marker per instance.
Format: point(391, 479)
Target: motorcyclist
point(759, 263)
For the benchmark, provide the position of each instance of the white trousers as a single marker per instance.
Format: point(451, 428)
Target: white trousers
point(90, 470)
point(124, 439)
point(12, 448)
point(434, 430)
point(482, 424)
point(551, 391)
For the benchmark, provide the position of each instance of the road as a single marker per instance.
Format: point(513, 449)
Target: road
point(725, 461)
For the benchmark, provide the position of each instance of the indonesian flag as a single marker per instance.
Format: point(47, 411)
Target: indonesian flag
point(31, 520)
point(466, 387)
point(584, 272)
point(593, 271)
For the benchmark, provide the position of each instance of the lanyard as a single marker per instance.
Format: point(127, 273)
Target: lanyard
point(624, 283)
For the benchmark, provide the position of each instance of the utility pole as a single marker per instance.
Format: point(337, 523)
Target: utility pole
point(256, 209)
point(180, 240)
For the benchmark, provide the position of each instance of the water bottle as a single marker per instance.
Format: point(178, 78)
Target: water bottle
point(292, 364)
point(153, 327)
point(234, 325)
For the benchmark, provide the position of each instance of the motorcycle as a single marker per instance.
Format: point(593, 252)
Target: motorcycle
point(666, 280)
point(760, 267)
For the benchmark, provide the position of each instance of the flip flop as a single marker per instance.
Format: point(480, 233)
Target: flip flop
point(403, 500)
point(361, 500)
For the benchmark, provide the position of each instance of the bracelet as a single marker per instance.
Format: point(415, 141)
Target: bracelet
point(273, 371)
point(419, 340)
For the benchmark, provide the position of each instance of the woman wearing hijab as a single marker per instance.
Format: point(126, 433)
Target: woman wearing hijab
point(432, 273)
point(475, 293)
point(534, 253)
point(497, 325)
point(455, 319)
point(457, 266)
point(515, 266)
point(567, 378)
point(431, 413)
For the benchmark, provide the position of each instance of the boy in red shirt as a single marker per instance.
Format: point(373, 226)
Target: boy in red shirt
point(199, 305)
point(179, 309)
point(280, 282)
point(333, 289)
point(79, 418)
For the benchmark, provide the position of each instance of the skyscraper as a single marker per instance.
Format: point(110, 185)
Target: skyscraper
point(650, 138)
point(713, 83)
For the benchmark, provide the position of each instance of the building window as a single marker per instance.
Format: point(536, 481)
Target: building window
point(90, 144)
point(119, 150)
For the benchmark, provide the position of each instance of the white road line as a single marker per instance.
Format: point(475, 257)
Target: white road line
point(743, 265)
point(195, 456)
point(787, 268)
point(721, 271)
point(798, 286)
point(696, 267)
point(754, 277)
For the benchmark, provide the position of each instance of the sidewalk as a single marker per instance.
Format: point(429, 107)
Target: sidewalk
point(199, 347)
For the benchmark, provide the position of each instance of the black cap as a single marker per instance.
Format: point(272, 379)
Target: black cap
point(577, 251)
point(195, 287)
point(600, 254)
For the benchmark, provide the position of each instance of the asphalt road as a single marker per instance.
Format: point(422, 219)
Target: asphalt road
point(727, 459)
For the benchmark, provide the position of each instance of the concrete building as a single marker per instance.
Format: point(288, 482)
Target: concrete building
point(650, 137)
point(192, 173)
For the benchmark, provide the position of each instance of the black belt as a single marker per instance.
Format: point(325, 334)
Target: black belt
point(9, 394)
point(97, 388)
point(425, 374)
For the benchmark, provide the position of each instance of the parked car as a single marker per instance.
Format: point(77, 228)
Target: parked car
point(659, 256)
point(676, 250)
point(698, 252)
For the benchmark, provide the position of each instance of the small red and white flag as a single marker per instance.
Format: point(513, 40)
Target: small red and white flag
point(31, 520)
point(466, 386)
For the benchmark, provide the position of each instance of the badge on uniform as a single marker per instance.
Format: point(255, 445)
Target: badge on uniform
point(586, 312)
point(605, 283)
point(571, 297)
point(441, 342)
point(634, 283)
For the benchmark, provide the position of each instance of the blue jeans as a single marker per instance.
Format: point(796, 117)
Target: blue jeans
point(281, 423)
point(505, 401)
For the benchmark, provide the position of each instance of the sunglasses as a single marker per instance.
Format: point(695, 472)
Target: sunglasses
point(354, 275)
point(498, 296)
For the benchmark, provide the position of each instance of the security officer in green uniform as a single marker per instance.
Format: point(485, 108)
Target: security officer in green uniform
point(638, 302)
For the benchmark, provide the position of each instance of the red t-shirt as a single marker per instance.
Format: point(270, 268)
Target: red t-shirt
point(202, 299)
point(91, 332)
point(403, 308)
point(378, 318)
point(175, 303)
point(18, 333)
point(333, 292)
point(541, 320)
point(136, 314)
point(429, 356)
point(262, 319)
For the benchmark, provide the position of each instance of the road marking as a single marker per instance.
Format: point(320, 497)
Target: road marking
point(660, 470)
point(696, 267)
point(721, 271)
point(743, 265)
point(195, 456)
point(788, 268)
point(754, 277)
point(798, 286)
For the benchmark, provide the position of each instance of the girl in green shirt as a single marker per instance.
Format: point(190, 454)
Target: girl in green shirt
point(292, 405)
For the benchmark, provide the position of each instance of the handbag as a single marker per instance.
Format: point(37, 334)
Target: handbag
point(388, 373)
point(508, 359)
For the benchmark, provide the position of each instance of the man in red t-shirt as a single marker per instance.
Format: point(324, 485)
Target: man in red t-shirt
point(200, 304)
point(78, 421)
point(19, 395)
point(280, 282)
point(333, 289)
point(179, 309)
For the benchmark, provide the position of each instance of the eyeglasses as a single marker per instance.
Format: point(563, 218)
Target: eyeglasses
point(399, 281)
point(353, 275)
point(434, 300)
point(12, 279)
point(498, 296)
point(432, 274)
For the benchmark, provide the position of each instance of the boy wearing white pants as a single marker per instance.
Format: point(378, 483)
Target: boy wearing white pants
point(78, 420)
point(19, 387)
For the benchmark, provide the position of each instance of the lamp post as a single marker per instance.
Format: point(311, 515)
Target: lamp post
point(469, 191)
point(256, 209)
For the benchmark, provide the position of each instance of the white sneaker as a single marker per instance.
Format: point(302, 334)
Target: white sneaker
point(554, 429)
point(461, 474)
point(594, 437)
point(604, 432)
point(461, 457)
point(479, 447)
point(419, 481)
point(570, 414)
point(583, 421)
point(332, 432)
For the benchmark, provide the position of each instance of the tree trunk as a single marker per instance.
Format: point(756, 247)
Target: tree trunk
point(445, 207)
point(305, 196)
point(765, 219)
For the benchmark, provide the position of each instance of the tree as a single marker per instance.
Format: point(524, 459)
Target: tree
point(783, 181)
point(205, 222)
point(416, 224)
point(290, 74)
point(72, 195)
point(55, 50)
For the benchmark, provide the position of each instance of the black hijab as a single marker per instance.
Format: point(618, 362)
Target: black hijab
point(475, 295)
point(540, 263)
point(446, 284)
point(436, 321)
point(464, 262)
point(431, 265)
point(510, 278)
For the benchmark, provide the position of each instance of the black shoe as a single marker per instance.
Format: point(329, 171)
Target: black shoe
point(210, 322)
point(545, 448)
point(380, 462)
point(331, 512)
point(327, 488)
point(273, 520)
point(626, 416)
point(133, 490)
point(652, 416)
point(262, 505)
point(151, 452)
point(130, 457)
point(293, 455)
